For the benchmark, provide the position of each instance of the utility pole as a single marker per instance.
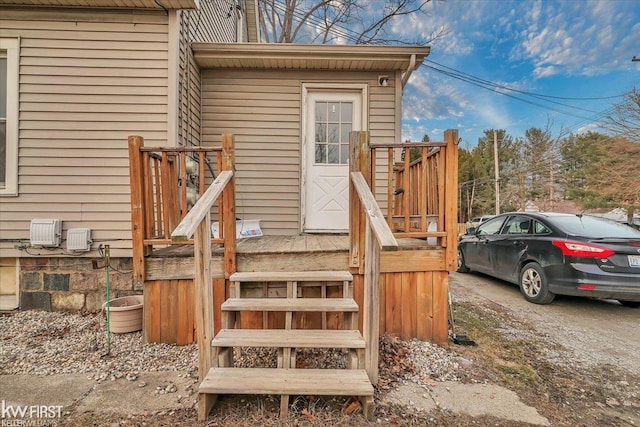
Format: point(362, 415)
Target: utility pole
point(497, 171)
point(551, 183)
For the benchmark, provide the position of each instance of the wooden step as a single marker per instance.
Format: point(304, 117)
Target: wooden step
point(293, 338)
point(291, 304)
point(324, 382)
point(291, 276)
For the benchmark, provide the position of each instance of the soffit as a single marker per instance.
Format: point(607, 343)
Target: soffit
point(308, 57)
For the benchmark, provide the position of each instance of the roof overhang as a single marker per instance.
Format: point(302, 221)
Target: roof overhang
point(110, 4)
point(282, 56)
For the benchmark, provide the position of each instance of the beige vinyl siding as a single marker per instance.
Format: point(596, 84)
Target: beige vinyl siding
point(188, 87)
point(188, 99)
point(262, 109)
point(85, 86)
point(212, 23)
point(252, 30)
point(207, 24)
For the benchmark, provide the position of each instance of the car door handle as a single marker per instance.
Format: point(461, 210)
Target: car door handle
point(518, 243)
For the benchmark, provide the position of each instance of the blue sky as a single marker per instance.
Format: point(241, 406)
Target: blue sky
point(563, 48)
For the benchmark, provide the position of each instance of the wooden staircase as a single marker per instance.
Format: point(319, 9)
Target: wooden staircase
point(286, 380)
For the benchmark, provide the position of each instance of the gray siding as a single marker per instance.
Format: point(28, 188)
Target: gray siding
point(85, 86)
point(263, 110)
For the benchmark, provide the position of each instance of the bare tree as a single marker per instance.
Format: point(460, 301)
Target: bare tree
point(340, 21)
point(624, 120)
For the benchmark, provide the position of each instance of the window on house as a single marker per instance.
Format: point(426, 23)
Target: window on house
point(8, 116)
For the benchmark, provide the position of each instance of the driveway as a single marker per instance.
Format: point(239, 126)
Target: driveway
point(593, 332)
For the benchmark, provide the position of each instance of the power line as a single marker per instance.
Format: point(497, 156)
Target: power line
point(485, 84)
point(537, 95)
point(315, 22)
point(352, 36)
point(495, 89)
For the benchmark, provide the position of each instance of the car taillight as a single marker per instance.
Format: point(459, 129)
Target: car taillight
point(584, 250)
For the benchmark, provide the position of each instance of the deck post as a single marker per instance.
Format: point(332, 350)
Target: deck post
point(229, 206)
point(204, 294)
point(204, 308)
point(371, 309)
point(451, 199)
point(136, 177)
point(359, 161)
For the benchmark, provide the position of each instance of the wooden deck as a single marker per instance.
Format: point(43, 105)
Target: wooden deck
point(303, 243)
point(292, 253)
point(412, 293)
point(388, 275)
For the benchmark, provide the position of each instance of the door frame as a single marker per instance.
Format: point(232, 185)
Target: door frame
point(328, 87)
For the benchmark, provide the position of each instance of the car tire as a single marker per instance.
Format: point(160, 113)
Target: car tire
point(462, 267)
point(630, 304)
point(533, 284)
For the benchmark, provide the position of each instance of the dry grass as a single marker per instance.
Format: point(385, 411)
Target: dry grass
point(509, 353)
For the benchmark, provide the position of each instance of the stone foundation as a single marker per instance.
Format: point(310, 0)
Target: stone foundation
point(72, 284)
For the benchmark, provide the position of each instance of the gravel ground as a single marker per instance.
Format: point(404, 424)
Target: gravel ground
point(45, 343)
point(579, 332)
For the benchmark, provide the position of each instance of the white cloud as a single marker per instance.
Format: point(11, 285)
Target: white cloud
point(430, 96)
point(533, 45)
point(587, 128)
point(577, 37)
point(588, 37)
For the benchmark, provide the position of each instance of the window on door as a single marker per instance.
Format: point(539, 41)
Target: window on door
point(334, 121)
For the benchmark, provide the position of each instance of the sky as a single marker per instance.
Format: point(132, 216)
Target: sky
point(561, 48)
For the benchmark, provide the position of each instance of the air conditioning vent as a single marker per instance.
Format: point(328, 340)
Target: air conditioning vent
point(45, 232)
point(79, 239)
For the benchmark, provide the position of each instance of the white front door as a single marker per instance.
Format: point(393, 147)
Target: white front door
point(330, 116)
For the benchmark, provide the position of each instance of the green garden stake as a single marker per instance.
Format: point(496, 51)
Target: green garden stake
point(108, 297)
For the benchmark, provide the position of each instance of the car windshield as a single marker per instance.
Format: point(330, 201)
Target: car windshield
point(490, 227)
point(589, 226)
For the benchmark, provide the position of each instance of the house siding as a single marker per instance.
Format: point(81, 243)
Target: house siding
point(210, 23)
point(262, 108)
point(85, 85)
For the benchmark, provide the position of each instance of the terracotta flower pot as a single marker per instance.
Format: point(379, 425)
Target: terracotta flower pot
point(125, 314)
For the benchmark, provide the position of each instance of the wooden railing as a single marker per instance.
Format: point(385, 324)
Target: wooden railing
point(377, 237)
point(421, 193)
point(165, 182)
point(413, 190)
point(369, 234)
point(197, 223)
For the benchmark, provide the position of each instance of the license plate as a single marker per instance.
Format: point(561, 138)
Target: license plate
point(634, 260)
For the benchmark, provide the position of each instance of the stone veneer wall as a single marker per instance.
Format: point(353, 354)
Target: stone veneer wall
point(71, 284)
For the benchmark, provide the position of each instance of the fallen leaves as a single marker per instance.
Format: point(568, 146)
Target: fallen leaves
point(307, 415)
point(393, 362)
point(352, 405)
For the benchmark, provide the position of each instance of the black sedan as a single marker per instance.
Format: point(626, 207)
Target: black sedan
point(552, 253)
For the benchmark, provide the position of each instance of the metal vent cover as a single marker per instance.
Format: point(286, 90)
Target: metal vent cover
point(79, 239)
point(45, 232)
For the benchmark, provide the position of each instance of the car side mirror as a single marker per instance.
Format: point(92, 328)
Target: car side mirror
point(471, 231)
